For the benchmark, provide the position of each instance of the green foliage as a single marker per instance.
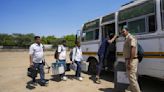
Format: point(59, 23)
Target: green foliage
point(48, 39)
point(57, 42)
point(70, 40)
point(16, 39)
point(44, 40)
point(6, 39)
point(25, 40)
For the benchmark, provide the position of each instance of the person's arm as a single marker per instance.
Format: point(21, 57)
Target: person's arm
point(133, 44)
point(31, 51)
point(133, 51)
point(43, 61)
point(31, 64)
point(81, 55)
point(113, 39)
point(73, 54)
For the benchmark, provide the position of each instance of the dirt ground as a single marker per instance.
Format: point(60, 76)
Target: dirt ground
point(13, 77)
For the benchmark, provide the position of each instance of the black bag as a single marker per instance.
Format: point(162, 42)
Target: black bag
point(67, 66)
point(56, 54)
point(140, 53)
point(70, 55)
point(32, 72)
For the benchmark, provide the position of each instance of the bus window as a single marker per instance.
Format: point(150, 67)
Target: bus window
point(89, 35)
point(137, 26)
point(108, 30)
point(152, 23)
point(139, 10)
point(96, 34)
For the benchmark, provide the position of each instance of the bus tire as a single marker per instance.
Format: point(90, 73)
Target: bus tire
point(92, 69)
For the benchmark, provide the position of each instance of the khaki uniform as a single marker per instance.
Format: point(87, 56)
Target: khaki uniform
point(132, 73)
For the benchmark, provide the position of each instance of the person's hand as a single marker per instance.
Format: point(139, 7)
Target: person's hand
point(72, 62)
point(129, 66)
point(110, 41)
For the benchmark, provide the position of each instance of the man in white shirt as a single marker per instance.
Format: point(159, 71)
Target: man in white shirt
point(77, 58)
point(36, 58)
point(62, 57)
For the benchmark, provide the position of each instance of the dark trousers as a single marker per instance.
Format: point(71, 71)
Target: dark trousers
point(100, 64)
point(64, 63)
point(40, 67)
point(78, 71)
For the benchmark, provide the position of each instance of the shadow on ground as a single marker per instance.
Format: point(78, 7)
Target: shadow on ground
point(105, 75)
point(55, 78)
point(30, 85)
point(106, 89)
point(149, 84)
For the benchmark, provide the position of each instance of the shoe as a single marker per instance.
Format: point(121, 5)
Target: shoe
point(98, 81)
point(80, 78)
point(43, 82)
point(64, 78)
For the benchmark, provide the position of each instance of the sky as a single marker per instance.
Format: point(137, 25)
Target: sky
point(52, 17)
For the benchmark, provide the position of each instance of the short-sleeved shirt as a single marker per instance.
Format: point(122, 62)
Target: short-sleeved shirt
point(77, 54)
point(37, 52)
point(130, 41)
point(62, 52)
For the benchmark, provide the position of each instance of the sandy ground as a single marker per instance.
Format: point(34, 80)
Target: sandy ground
point(13, 78)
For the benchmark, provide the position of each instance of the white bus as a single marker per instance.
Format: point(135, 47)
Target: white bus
point(145, 20)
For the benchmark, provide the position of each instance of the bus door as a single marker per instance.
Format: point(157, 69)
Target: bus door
point(108, 31)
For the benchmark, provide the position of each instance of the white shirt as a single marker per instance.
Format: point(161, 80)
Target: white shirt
point(77, 54)
point(37, 52)
point(62, 52)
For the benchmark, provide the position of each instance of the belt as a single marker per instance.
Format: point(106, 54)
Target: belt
point(129, 58)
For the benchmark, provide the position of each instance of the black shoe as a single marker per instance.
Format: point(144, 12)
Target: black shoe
point(43, 83)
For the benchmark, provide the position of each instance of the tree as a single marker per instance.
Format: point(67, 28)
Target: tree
point(44, 40)
point(70, 40)
point(6, 40)
point(25, 40)
point(57, 42)
point(50, 39)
